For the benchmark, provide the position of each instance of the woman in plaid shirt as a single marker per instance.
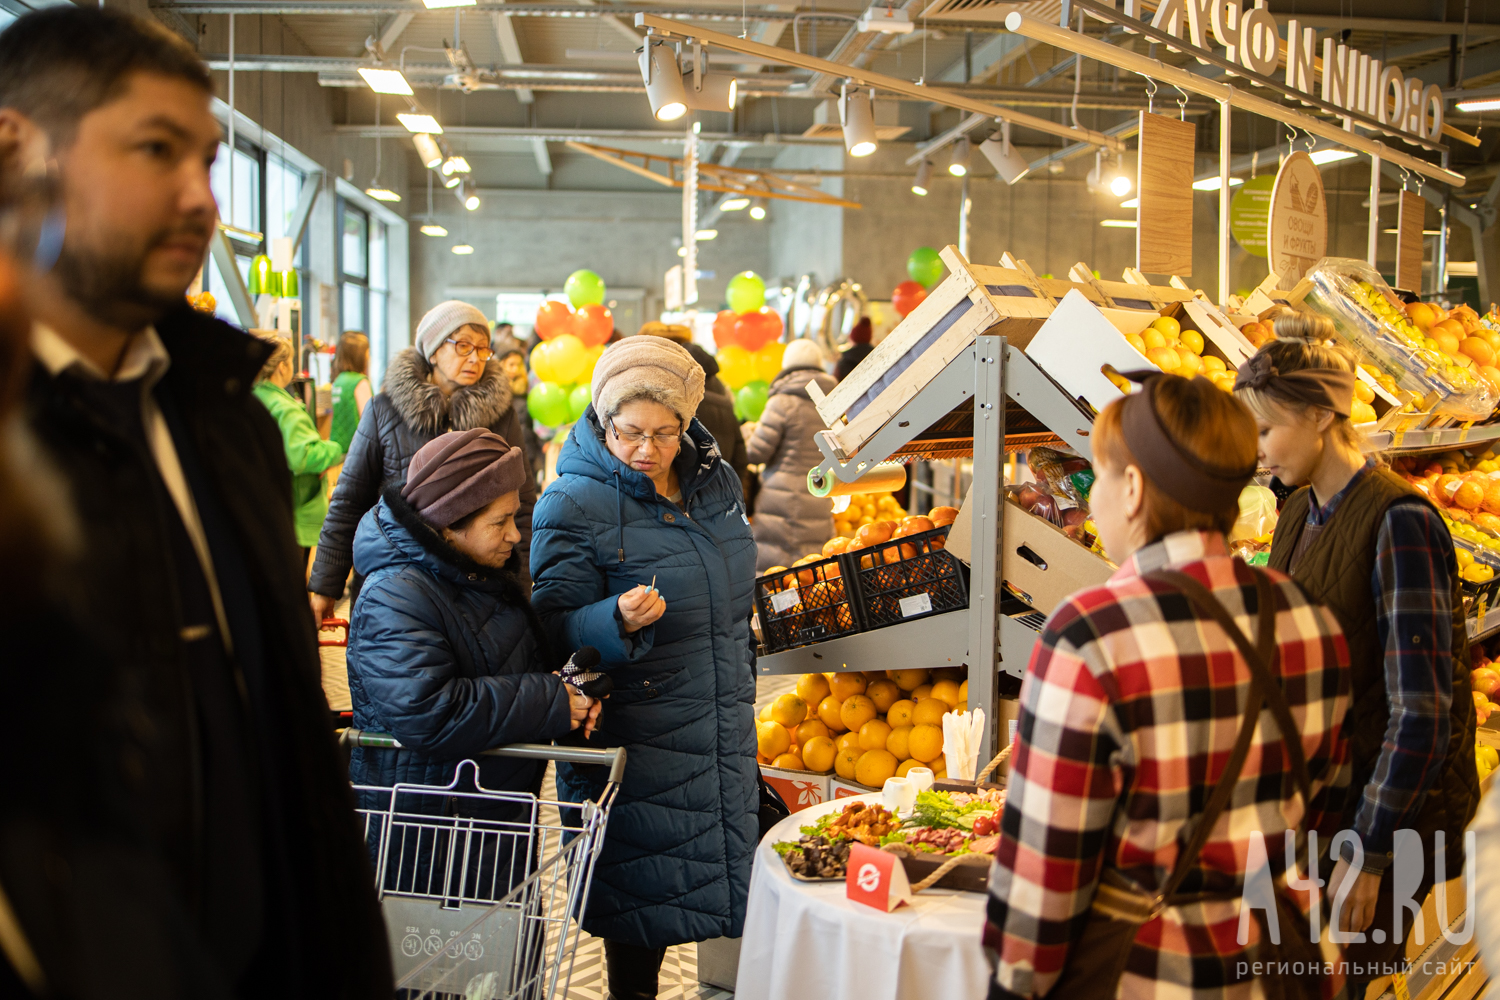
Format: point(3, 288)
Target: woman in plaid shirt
point(1129, 709)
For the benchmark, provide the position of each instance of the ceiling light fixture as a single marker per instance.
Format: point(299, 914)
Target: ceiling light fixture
point(377, 190)
point(1107, 178)
point(703, 235)
point(1323, 156)
point(663, 80)
point(428, 149)
point(455, 165)
point(1132, 203)
point(1212, 183)
point(433, 229)
point(758, 209)
point(471, 202)
point(1120, 186)
point(463, 249)
point(1009, 164)
point(857, 116)
point(420, 123)
point(923, 179)
point(452, 181)
point(1118, 223)
point(381, 193)
point(386, 81)
point(735, 203)
point(1479, 104)
point(708, 92)
point(960, 165)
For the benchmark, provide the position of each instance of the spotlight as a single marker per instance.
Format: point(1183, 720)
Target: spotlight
point(663, 79)
point(960, 165)
point(386, 81)
point(924, 178)
point(471, 202)
point(433, 229)
point(420, 123)
point(1120, 186)
point(758, 209)
point(468, 196)
point(463, 249)
point(428, 149)
point(382, 193)
point(452, 181)
point(1107, 178)
point(1009, 164)
point(857, 115)
point(735, 203)
point(455, 165)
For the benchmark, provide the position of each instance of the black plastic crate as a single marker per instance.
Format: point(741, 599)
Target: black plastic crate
point(805, 604)
point(908, 569)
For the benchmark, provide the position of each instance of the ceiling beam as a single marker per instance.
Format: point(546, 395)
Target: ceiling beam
point(510, 52)
point(393, 29)
point(617, 24)
point(543, 158)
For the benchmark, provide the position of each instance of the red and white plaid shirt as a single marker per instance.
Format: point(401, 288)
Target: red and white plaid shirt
point(1129, 712)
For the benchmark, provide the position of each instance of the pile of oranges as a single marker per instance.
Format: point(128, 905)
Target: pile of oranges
point(1180, 352)
point(864, 726)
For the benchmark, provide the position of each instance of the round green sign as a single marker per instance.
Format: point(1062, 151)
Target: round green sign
point(1250, 213)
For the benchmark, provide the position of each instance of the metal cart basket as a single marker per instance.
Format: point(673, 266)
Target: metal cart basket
point(483, 891)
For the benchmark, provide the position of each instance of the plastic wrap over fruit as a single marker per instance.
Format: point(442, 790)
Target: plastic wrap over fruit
point(1369, 317)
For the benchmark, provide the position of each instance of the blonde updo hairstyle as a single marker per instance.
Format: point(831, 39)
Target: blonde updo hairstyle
point(1304, 341)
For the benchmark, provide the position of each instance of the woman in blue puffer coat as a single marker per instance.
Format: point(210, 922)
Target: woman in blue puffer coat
point(445, 652)
point(643, 495)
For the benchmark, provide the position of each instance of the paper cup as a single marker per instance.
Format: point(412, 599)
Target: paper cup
point(921, 780)
point(898, 795)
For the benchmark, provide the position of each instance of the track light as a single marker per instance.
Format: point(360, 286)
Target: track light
point(960, 165)
point(923, 179)
point(734, 203)
point(663, 80)
point(468, 195)
point(857, 115)
point(758, 209)
point(455, 165)
point(1107, 178)
point(1120, 185)
point(428, 149)
point(1009, 164)
point(709, 92)
point(386, 81)
point(420, 123)
point(452, 181)
point(471, 202)
point(381, 193)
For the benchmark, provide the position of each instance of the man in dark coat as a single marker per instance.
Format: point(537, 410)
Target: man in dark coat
point(187, 577)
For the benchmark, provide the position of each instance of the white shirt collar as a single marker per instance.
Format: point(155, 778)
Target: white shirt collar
point(145, 357)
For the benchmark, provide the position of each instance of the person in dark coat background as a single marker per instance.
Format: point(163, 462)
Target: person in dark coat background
point(852, 353)
point(643, 494)
point(446, 382)
point(187, 571)
point(512, 358)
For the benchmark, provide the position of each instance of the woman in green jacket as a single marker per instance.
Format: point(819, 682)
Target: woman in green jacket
point(307, 454)
point(351, 386)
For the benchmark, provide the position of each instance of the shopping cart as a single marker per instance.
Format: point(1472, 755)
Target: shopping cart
point(483, 891)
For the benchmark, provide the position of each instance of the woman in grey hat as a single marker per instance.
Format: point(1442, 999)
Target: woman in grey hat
point(643, 551)
point(447, 381)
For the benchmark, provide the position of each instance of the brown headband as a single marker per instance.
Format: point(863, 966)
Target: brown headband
point(1326, 387)
point(1180, 475)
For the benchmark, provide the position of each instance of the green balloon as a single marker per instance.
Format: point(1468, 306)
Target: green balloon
point(547, 403)
point(925, 267)
point(752, 399)
point(584, 288)
point(746, 293)
point(579, 400)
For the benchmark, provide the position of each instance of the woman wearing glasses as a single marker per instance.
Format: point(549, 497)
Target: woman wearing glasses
point(643, 551)
point(447, 381)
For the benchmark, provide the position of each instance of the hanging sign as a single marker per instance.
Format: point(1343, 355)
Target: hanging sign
point(1164, 211)
point(1250, 211)
point(1409, 242)
point(1297, 235)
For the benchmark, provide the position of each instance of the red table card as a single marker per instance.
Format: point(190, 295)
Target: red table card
point(876, 878)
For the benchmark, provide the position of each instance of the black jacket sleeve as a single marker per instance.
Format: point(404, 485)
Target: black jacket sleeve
point(357, 491)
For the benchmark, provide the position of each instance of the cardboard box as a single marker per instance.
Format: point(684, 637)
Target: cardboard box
point(842, 789)
point(798, 789)
point(1039, 561)
point(1079, 340)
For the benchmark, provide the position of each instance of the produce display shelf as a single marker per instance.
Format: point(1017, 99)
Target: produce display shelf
point(1491, 627)
point(936, 641)
point(1439, 440)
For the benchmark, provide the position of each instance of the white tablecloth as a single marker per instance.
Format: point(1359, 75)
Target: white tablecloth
point(806, 939)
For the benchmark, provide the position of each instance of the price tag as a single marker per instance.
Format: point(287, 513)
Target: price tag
point(1397, 436)
point(876, 878)
point(1398, 983)
point(785, 599)
point(920, 604)
point(1463, 431)
point(1479, 610)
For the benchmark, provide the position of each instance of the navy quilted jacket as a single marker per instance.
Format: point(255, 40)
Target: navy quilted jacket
point(445, 656)
point(676, 860)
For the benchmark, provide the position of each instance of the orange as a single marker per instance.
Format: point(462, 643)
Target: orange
point(1492, 497)
point(1480, 350)
point(1164, 358)
point(897, 742)
point(1212, 365)
point(939, 770)
point(789, 710)
point(764, 715)
point(1363, 393)
point(848, 741)
point(834, 546)
point(1153, 339)
point(812, 688)
point(1362, 413)
point(818, 754)
point(884, 693)
point(856, 711)
point(808, 730)
point(790, 761)
point(828, 713)
point(908, 680)
point(925, 691)
point(1193, 341)
point(899, 714)
point(1491, 375)
point(873, 734)
point(929, 712)
point(1421, 314)
point(954, 674)
point(845, 761)
point(907, 765)
point(772, 739)
point(1469, 495)
point(843, 685)
point(963, 694)
point(1444, 488)
point(1134, 340)
point(1189, 364)
point(1446, 340)
point(947, 691)
point(1168, 326)
point(926, 742)
point(874, 766)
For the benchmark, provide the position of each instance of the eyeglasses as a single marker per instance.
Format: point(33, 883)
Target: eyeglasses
point(463, 349)
point(635, 440)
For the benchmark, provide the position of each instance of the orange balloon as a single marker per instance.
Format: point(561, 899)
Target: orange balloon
point(907, 296)
point(593, 324)
point(724, 334)
point(757, 329)
point(554, 319)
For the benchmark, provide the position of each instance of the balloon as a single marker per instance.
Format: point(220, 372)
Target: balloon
point(567, 357)
point(735, 367)
point(578, 401)
point(724, 334)
point(548, 404)
point(541, 362)
point(925, 266)
point(907, 296)
point(553, 318)
point(588, 366)
point(755, 330)
point(746, 292)
point(592, 324)
point(752, 399)
point(584, 288)
point(765, 363)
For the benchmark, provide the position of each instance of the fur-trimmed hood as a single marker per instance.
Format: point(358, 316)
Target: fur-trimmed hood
point(426, 410)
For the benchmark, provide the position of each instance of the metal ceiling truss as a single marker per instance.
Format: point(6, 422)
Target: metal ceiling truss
point(666, 171)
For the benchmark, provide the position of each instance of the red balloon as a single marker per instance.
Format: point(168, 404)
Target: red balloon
point(593, 324)
point(724, 335)
point(553, 319)
point(757, 329)
point(907, 296)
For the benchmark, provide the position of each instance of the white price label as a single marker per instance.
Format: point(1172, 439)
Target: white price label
point(788, 598)
point(918, 605)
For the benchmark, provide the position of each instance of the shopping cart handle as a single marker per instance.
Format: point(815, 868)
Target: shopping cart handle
point(615, 757)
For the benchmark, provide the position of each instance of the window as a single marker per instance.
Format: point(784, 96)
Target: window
point(354, 268)
point(266, 192)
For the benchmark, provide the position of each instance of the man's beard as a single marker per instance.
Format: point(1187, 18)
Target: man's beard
point(110, 286)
